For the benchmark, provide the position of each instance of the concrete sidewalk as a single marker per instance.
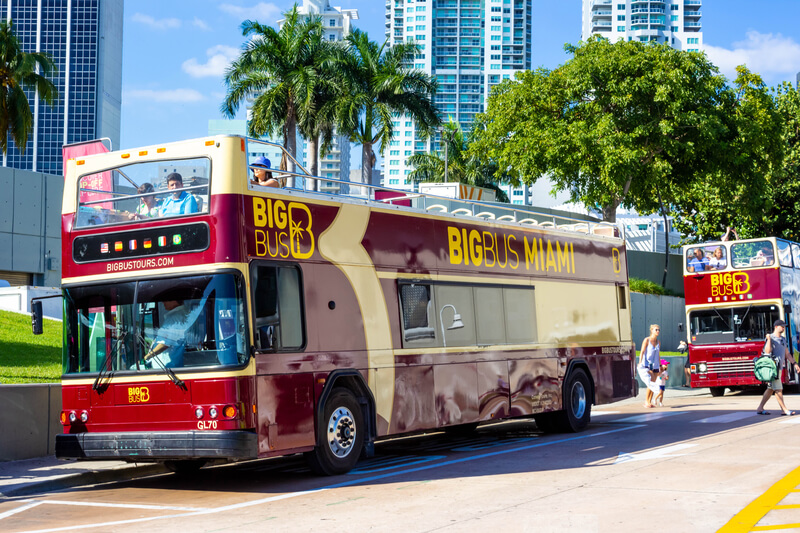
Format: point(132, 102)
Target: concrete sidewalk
point(45, 474)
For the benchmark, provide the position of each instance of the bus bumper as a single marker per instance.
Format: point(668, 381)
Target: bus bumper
point(158, 445)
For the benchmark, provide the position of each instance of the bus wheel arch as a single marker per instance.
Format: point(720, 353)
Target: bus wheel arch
point(345, 424)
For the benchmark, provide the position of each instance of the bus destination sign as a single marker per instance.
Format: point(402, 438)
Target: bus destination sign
point(163, 240)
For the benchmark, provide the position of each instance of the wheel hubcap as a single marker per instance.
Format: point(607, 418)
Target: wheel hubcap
point(578, 399)
point(341, 432)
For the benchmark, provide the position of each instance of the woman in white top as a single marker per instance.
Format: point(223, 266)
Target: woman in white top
point(650, 362)
point(718, 261)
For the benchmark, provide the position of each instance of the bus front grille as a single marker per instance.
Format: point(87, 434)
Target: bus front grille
point(731, 369)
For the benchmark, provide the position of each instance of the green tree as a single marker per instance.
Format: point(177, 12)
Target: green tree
point(750, 183)
point(18, 70)
point(379, 88)
point(618, 124)
point(462, 166)
point(277, 68)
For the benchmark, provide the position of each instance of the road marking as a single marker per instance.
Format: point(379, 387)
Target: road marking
point(19, 509)
point(120, 505)
point(393, 462)
point(725, 419)
point(495, 444)
point(603, 413)
point(648, 417)
point(659, 453)
point(290, 495)
point(747, 518)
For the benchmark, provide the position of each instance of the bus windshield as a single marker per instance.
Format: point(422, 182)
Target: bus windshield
point(149, 325)
point(734, 324)
point(143, 191)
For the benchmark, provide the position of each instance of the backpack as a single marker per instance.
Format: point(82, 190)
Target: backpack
point(765, 369)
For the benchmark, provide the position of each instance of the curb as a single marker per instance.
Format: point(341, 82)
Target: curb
point(92, 477)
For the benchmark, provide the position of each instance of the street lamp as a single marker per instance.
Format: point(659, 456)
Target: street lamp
point(457, 323)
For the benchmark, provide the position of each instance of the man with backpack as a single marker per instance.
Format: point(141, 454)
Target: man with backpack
point(776, 345)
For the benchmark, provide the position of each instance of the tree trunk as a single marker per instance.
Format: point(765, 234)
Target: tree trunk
point(366, 165)
point(666, 239)
point(610, 211)
point(291, 146)
point(313, 162)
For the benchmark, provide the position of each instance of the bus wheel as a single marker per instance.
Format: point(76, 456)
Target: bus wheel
point(185, 467)
point(577, 402)
point(340, 435)
point(716, 392)
point(547, 422)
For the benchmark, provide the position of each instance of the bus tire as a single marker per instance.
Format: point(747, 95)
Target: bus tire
point(547, 422)
point(340, 435)
point(185, 467)
point(716, 392)
point(577, 402)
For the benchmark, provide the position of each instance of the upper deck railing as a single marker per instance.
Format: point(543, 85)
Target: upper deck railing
point(740, 255)
point(103, 199)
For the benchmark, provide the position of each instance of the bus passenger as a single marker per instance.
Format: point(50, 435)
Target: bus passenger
point(181, 202)
point(262, 176)
point(650, 363)
point(699, 262)
point(148, 205)
point(717, 261)
point(170, 341)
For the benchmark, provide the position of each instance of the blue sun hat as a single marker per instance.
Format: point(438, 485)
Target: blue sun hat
point(262, 161)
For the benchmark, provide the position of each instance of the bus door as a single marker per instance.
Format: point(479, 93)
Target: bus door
point(624, 313)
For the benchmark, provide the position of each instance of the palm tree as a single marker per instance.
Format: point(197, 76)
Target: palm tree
point(462, 165)
point(18, 69)
point(277, 69)
point(379, 86)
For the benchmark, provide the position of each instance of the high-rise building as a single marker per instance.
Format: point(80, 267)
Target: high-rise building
point(469, 46)
point(84, 39)
point(337, 23)
point(675, 22)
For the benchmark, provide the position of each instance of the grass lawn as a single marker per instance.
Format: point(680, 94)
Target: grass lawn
point(25, 357)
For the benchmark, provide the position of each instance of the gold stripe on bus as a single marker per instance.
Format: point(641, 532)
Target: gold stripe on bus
point(506, 348)
point(246, 372)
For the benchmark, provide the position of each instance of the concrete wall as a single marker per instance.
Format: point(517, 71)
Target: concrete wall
point(30, 224)
point(675, 375)
point(29, 420)
point(666, 311)
point(650, 266)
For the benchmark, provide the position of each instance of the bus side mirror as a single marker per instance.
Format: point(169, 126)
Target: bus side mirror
point(266, 337)
point(36, 317)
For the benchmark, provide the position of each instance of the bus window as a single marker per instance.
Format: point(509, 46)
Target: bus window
point(785, 253)
point(278, 313)
point(520, 316)
point(796, 255)
point(752, 254)
point(455, 302)
point(700, 258)
point(489, 322)
point(729, 325)
point(418, 324)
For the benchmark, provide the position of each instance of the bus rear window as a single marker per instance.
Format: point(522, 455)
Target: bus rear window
point(753, 254)
point(142, 191)
point(730, 325)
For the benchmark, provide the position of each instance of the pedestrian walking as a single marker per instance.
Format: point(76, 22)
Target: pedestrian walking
point(775, 344)
point(650, 362)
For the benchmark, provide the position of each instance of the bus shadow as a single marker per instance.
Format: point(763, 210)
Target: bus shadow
point(510, 447)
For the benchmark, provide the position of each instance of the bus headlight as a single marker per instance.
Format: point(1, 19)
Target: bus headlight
point(198, 412)
point(702, 368)
point(84, 416)
point(212, 412)
point(73, 417)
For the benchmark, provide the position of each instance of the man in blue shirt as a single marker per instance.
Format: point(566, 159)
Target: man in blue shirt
point(181, 202)
point(699, 262)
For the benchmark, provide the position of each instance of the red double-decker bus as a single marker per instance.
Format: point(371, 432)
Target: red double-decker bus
point(735, 290)
point(212, 318)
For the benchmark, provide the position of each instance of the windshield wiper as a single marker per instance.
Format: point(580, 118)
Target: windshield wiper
point(168, 371)
point(105, 369)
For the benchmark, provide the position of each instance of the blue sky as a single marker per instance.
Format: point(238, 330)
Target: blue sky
point(175, 52)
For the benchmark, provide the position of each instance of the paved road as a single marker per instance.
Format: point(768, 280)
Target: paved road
point(698, 464)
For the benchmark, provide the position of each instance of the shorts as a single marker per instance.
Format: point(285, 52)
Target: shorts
point(776, 385)
point(662, 388)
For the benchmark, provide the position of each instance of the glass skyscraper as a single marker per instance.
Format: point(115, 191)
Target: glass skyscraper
point(469, 46)
point(84, 38)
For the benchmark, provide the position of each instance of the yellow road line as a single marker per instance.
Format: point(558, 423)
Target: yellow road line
point(746, 519)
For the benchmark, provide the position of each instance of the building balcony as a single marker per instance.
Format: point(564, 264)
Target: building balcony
point(602, 24)
point(693, 2)
point(602, 14)
point(691, 26)
point(660, 10)
point(692, 14)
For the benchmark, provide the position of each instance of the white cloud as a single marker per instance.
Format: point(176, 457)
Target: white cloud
point(197, 23)
point(164, 96)
point(769, 54)
point(219, 57)
point(156, 24)
point(263, 12)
